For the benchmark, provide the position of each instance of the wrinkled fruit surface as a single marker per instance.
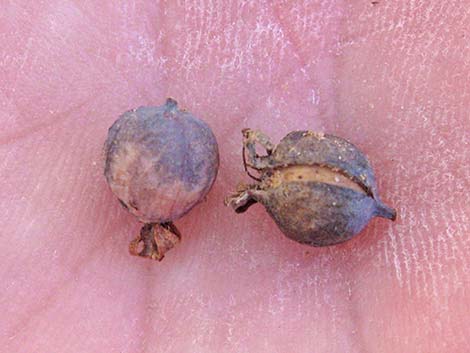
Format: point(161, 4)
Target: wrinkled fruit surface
point(160, 162)
point(320, 189)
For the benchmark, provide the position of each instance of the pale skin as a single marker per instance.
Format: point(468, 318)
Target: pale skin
point(391, 77)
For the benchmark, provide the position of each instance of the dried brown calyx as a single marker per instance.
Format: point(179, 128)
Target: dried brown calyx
point(155, 240)
point(319, 189)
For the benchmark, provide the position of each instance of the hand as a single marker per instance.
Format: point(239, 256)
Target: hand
point(391, 77)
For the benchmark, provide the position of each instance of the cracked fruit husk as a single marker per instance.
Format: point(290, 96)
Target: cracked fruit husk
point(319, 188)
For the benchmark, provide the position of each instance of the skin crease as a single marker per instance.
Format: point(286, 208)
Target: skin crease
point(391, 77)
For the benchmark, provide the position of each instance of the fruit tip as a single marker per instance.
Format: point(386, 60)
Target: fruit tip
point(171, 103)
point(385, 211)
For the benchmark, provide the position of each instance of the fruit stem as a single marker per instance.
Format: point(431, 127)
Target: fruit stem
point(241, 200)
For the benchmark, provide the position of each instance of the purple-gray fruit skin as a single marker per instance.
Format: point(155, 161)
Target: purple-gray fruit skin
point(160, 161)
point(319, 188)
point(338, 215)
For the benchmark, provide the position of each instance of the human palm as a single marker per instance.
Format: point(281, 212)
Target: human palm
point(391, 77)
